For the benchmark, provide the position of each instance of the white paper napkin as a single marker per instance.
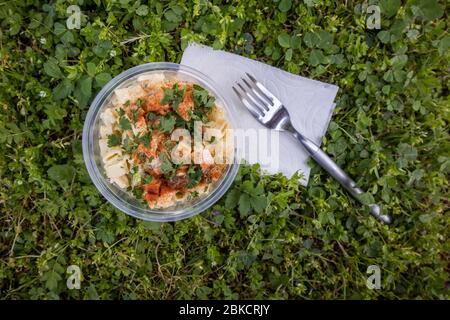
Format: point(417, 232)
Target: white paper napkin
point(309, 102)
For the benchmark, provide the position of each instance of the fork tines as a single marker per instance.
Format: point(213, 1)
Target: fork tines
point(254, 96)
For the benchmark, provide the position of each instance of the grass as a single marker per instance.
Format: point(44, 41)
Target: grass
point(389, 129)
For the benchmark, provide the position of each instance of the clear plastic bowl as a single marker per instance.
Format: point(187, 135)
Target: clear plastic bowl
point(91, 151)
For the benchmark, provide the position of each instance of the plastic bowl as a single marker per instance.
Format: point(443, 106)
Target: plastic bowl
point(91, 151)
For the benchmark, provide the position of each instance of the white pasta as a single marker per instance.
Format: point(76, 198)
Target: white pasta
point(116, 169)
point(105, 131)
point(109, 116)
point(121, 181)
point(122, 95)
point(149, 79)
point(112, 154)
point(167, 200)
point(207, 157)
point(103, 144)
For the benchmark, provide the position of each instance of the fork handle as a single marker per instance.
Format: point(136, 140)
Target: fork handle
point(334, 170)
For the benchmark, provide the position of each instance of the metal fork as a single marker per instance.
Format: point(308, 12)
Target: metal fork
point(270, 112)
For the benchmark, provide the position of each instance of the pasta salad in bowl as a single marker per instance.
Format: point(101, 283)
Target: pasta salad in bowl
point(158, 142)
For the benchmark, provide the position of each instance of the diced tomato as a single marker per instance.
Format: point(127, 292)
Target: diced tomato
point(153, 187)
point(215, 172)
point(156, 143)
point(157, 140)
point(149, 197)
point(136, 157)
point(212, 171)
point(153, 102)
point(165, 189)
point(141, 124)
point(132, 107)
point(149, 152)
point(187, 104)
point(205, 167)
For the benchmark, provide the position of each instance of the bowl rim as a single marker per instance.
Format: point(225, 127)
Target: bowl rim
point(102, 184)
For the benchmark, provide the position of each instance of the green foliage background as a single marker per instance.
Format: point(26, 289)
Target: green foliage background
point(269, 237)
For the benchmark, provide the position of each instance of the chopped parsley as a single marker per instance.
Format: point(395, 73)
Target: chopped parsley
point(167, 123)
point(142, 157)
point(120, 112)
point(139, 102)
point(113, 140)
point(194, 194)
point(147, 179)
point(198, 115)
point(129, 145)
point(210, 103)
point(138, 192)
point(134, 169)
point(194, 174)
point(202, 98)
point(135, 114)
point(179, 121)
point(169, 144)
point(145, 139)
point(124, 123)
point(166, 164)
point(173, 96)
